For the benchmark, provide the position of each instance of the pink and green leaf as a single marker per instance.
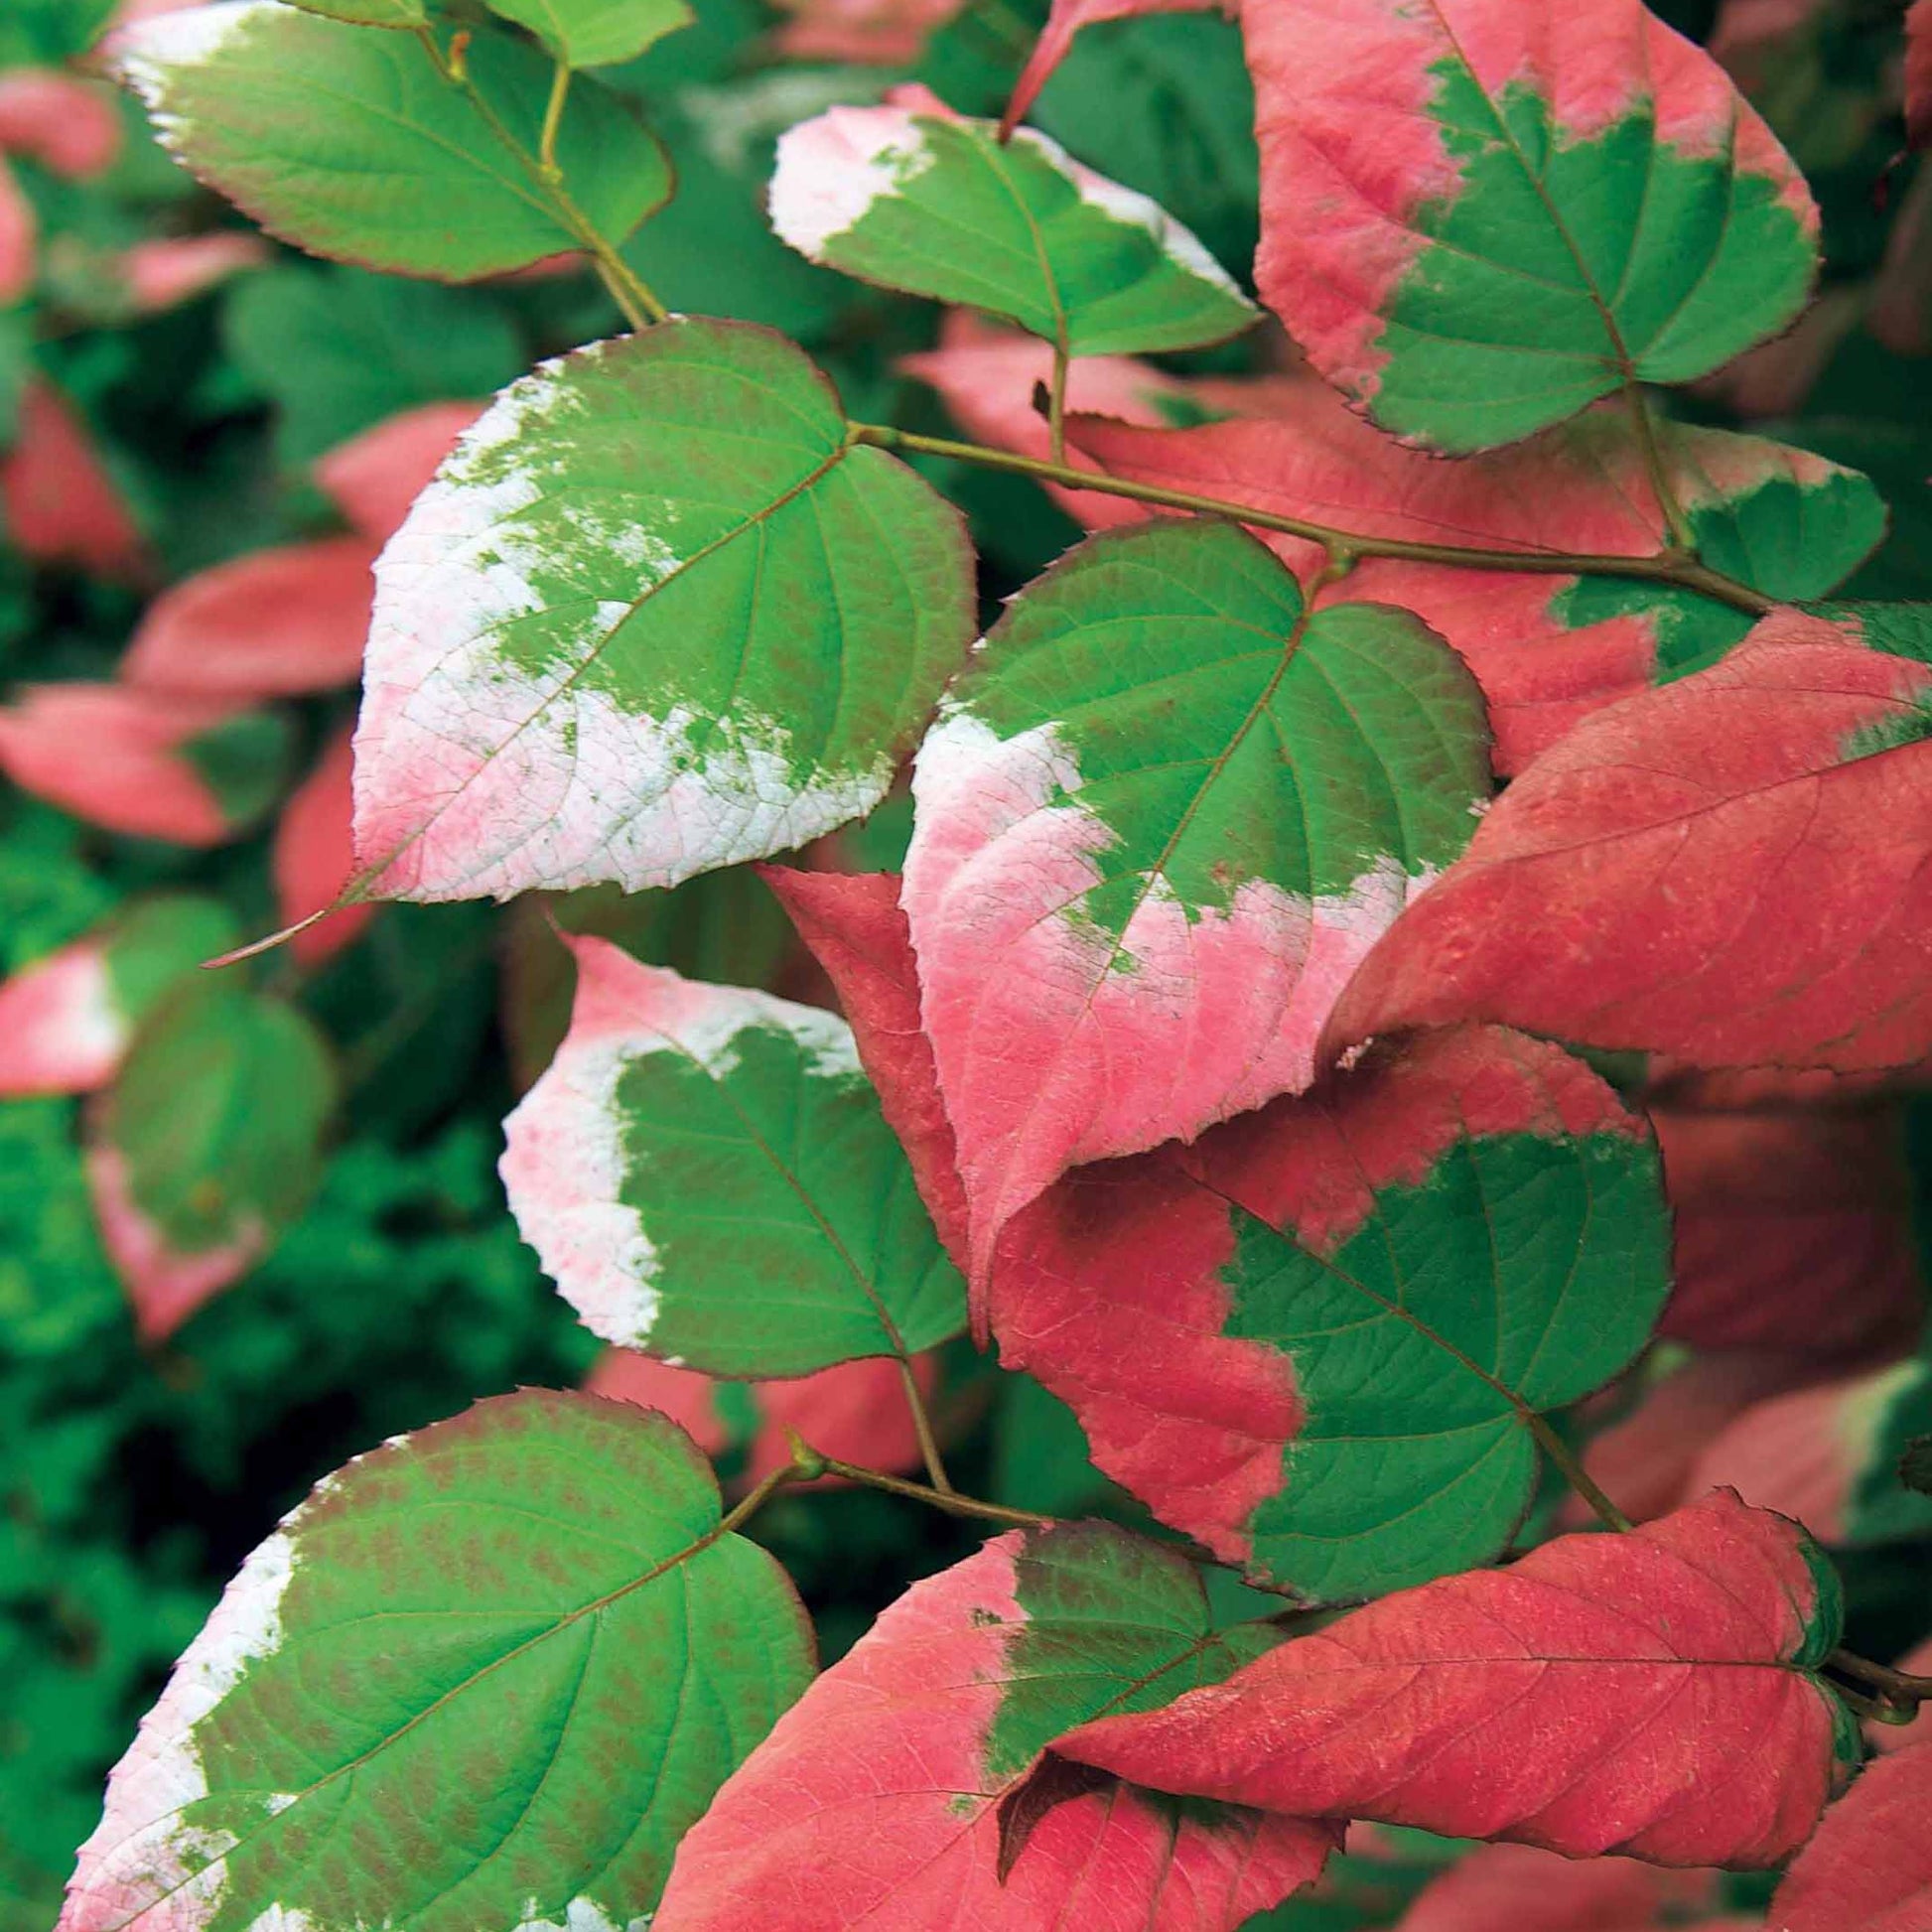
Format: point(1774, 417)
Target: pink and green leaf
point(291, 116)
point(705, 1171)
point(1653, 1694)
point(1179, 808)
point(485, 1676)
point(886, 1795)
point(1319, 1340)
point(1732, 870)
point(915, 197)
point(656, 614)
point(1480, 216)
point(1546, 650)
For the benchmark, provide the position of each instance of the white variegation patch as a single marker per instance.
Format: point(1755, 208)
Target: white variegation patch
point(477, 775)
point(144, 1858)
point(832, 168)
point(152, 54)
point(565, 1159)
point(580, 1915)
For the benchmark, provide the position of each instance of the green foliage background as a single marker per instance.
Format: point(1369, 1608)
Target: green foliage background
point(132, 1481)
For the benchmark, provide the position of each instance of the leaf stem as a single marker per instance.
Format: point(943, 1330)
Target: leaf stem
point(949, 1500)
point(639, 306)
point(1897, 1685)
point(1573, 1471)
point(1669, 567)
point(756, 1498)
point(553, 117)
point(935, 1467)
point(1056, 405)
point(1683, 537)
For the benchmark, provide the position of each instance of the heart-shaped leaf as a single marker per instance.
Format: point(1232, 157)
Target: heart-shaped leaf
point(484, 1676)
point(1179, 808)
point(354, 145)
point(654, 615)
point(915, 198)
point(1479, 216)
point(705, 1171)
point(1548, 649)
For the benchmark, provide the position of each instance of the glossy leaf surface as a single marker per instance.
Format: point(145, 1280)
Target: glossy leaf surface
point(486, 1674)
point(654, 615)
point(705, 1171)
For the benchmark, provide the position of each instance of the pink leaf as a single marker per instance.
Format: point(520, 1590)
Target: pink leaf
point(60, 504)
point(855, 1412)
point(1870, 1869)
point(1110, 1287)
point(68, 126)
point(1645, 1461)
point(1581, 487)
point(868, 33)
point(165, 273)
point(1724, 868)
point(1792, 1231)
point(1805, 1452)
point(19, 241)
point(987, 378)
point(858, 932)
point(164, 1287)
point(1524, 1889)
point(115, 756)
point(313, 858)
point(275, 623)
point(1066, 20)
point(876, 1799)
point(1648, 1693)
point(374, 477)
point(61, 1030)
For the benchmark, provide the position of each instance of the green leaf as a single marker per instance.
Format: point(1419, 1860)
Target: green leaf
point(485, 1677)
point(369, 13)
point(352, 145)
point(654, 617)
point(706, 1172)
point(217, 1117)
point(244, 761)
point(936, 206)
point(338, 349)
point(595, 32)
point(44, 33)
